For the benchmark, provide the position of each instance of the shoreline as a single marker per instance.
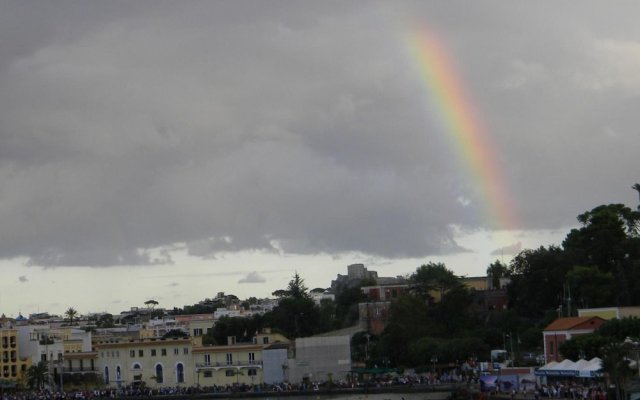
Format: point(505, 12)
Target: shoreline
point(439, 392)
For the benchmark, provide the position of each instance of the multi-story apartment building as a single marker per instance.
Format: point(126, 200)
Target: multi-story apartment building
point(13, 366)
point(375, 312)
point(75, 360)
point(235, 363)
point(156, 362)
point(196, 324)
point(67, 350)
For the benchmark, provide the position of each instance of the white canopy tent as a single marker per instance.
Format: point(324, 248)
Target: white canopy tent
point(580, 369)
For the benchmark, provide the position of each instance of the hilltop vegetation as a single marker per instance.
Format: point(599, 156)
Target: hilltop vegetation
point(598, 263)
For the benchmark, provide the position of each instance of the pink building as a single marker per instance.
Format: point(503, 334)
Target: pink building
point(563, 329)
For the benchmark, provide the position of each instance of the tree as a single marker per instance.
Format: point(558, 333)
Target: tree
point(497, 271)
point(408, 321)
point(615, 365)
point(609, 240)
point(636, 187)
point(296, 314)
point(346, 306)
point(71, 314)
point(297, 288)
point(433, 278)
point(151, 303)
point(37, 374)
point(590, 287)
point(105, 321)
point(242, 329)
point(280, 293)
point(619, 329)
point(583, 346)
point(295, 317)
point(537, 278)
point(175, 333)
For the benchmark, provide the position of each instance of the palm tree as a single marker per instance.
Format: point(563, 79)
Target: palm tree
point(615, 365)
point(71, 314)
point(37, 374)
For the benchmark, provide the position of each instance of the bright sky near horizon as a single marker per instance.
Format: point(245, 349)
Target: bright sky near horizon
point(173, 150)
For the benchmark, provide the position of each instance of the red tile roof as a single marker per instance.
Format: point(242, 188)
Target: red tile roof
point(568, 323)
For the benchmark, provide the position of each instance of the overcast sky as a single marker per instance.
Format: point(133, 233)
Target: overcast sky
point(175, 149)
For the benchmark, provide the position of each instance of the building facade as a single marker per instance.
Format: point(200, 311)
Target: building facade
point(320, 359)
point(156, 362)
point(13, 366)
point(563, 329)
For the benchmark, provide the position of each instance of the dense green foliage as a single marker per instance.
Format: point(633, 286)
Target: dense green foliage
point(598, 264)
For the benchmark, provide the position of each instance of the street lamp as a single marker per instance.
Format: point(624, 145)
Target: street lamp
point(434, 360)
point(61, 363)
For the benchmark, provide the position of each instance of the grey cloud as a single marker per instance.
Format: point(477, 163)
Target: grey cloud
point(252, 277)
point(512, 249)
point(127, 129)
point(22, 279)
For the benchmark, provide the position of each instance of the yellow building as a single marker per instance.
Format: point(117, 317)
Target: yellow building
point(13, 367)
point(610, 312)
point(154, 362)
point(476, 282)
point(229, 365)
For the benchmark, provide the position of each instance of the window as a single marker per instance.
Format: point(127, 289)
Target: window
point(252, 372)
point(180, 373)
point(153, 352)
point(229, 359)
point(265, 340)
point(252, 358)
point(185, 350)
point(207, 359)
point(132, 353)
point(159, 376)
point(197, 332)
point(229, 372)
point(43, 357)
point(176, 351)
point(141, 353)
point(208, 374)
point(106, 375)
point(163, 352)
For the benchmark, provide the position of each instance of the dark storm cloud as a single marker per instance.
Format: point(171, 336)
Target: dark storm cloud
point(129, 127)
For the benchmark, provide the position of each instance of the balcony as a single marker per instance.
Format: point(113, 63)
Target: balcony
point(78, 370)
point(236, 364)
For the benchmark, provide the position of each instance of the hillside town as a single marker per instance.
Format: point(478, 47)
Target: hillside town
point(151, 349)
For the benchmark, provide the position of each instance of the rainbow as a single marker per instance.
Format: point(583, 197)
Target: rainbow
point(470, 140)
